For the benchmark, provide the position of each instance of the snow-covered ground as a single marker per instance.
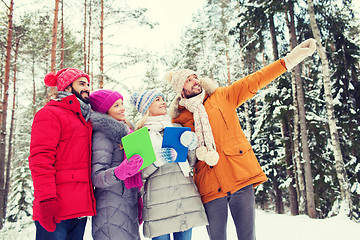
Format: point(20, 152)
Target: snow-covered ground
point(268, 226)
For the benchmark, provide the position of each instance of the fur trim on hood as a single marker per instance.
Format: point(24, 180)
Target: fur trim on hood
point(206, 83)
point(113, 129)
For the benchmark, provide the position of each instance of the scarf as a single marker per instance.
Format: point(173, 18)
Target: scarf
point(156, 125)
point(207, 148)
point(84, 107)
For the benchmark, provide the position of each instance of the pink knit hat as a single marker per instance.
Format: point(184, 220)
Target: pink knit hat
point(63, 78)
point(102, 100)
point(178, 78)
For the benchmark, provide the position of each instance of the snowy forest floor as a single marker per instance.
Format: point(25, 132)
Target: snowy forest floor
point(268, 226)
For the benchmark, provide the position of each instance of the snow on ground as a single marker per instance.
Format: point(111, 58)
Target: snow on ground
point(269, 226)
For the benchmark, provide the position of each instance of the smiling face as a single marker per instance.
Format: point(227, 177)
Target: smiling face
point(157, 107)
point(191, 87)
point(80, 87)
point(117, 110)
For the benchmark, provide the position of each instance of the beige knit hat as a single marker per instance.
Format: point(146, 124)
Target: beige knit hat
point(177, 78)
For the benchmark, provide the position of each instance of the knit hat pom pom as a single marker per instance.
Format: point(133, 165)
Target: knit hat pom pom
point(134, 98)
point(211, 158)
point(50, 79)
point(168, 76)
point(201, 152)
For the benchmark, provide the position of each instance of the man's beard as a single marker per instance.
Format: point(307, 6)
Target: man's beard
point(78, 95)
point(191, 94)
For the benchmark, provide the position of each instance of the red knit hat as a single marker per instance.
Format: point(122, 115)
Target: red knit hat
point(64, 78)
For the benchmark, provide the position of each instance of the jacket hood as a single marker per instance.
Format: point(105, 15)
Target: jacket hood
point(206, 83)
point(113, 129)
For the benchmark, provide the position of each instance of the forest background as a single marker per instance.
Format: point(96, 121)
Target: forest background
point(304, 127)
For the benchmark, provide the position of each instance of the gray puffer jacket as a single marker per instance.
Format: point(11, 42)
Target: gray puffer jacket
point(116, 206)
point(171, 201)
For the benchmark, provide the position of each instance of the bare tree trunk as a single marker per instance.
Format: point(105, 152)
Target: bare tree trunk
point(228, 65)
point(85, 11)
point(89, 42)
point(9, 156)
point(296, 146)
point(4, 114)
point(62, 36)
point(311, 210)
point(294, 207)
point(54, 37)
point(273, 37)
point(290, 168)
point(279, 205)
point(101, 80)
point(246, 104)
point(52, 91)
point(346, 205)
point(34, 88)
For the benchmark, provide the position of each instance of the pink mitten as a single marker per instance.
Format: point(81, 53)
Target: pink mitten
point(49, 214)
point(129, 167)
point(140, 209)
point(134, 181)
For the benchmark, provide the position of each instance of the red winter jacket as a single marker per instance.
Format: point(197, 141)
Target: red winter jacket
point(60, 158)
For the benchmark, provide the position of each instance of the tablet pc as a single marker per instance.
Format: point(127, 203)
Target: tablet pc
point(139, 142)
point(171, 139)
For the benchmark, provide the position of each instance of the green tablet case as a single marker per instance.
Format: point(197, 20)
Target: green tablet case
point(139, 142)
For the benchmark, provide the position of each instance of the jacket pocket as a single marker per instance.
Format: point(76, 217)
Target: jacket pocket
point(238, 150)
point(205, 178)
point(242, 160)
point(66, 176)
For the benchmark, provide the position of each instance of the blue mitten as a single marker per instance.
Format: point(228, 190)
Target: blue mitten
point(165, 155)
point(189, 140)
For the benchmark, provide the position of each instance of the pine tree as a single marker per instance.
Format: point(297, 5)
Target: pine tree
point(3, 115)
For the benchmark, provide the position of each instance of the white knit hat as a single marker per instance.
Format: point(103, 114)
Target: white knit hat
point(177, 78)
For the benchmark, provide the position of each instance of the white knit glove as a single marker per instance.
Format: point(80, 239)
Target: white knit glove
point(165, 155)
point(189, 140)
point(299, 53)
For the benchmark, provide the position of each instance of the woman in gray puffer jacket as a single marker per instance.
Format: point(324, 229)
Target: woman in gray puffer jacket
point(117, 180)
point(172, 204)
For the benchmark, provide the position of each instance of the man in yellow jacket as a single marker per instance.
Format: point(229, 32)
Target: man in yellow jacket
point(227, 170)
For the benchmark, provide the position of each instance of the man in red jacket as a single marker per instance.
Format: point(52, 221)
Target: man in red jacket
point(227, 169)
point(60, 159)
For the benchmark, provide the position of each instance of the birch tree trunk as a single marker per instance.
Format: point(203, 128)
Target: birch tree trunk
point(346, 206)
point(4, 113)
point(101, 79)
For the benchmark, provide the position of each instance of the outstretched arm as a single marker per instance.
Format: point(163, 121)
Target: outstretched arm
point(243, 89)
